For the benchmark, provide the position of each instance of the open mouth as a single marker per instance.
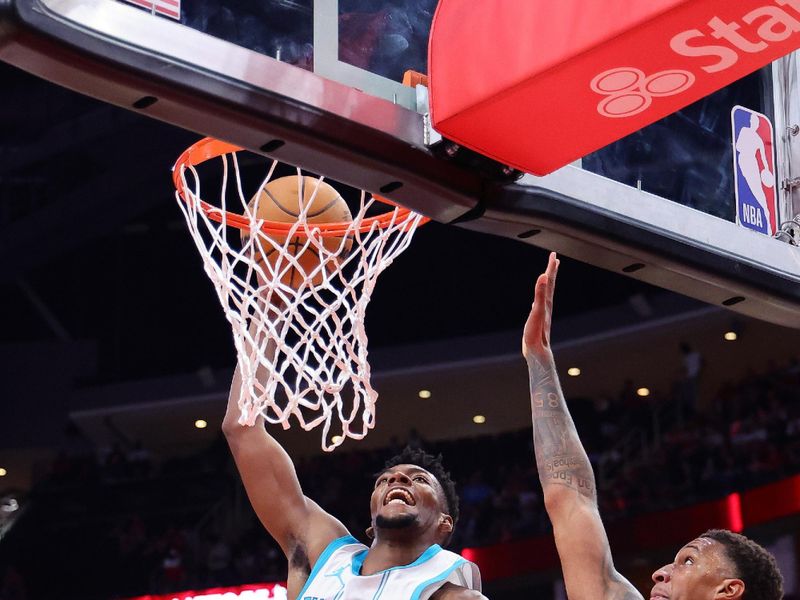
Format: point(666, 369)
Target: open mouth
point(399, 496)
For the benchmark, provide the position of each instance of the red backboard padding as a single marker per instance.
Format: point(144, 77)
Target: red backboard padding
point(536, 84)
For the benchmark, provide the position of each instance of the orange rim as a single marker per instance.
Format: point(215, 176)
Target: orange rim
point(209, 148)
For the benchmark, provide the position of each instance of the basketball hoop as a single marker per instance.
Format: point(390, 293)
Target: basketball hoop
point(298, 323)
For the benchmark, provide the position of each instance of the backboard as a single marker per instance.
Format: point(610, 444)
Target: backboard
point(317, 84)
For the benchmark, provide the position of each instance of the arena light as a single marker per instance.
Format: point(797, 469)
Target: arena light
point(479, 419)
point(643, 392)
point(424, 394)
point(337, 439)
point(730, 336)
point(3, 472)
point(573, 371)
point(201, 424)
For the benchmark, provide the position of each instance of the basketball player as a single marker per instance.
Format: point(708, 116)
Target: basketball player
point(754, 166)
point(413, 509)
point(718, 565)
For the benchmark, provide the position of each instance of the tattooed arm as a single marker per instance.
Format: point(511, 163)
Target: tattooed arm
point(564, 469)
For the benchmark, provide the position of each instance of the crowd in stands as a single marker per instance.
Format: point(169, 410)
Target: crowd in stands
point(650, 454)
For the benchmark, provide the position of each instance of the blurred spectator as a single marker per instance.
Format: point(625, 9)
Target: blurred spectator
point(692, 367)
point(415, 440)
point(172, 570)
point(12, 586)
point(116, 464)
point(476, 491)
point(140, 460)
point(219, 562)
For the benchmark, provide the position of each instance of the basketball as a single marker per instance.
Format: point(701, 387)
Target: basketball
point(767, 178)
point(280, 200)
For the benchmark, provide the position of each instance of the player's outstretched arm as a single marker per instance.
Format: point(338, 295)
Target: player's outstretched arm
point(297, 523)
point(564, 469)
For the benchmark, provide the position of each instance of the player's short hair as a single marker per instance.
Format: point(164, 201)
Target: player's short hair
point(432, 464)
point(754, 565)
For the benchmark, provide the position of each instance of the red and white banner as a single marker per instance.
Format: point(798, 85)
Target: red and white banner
point(168, 8)
point(536, 84)
point(256, 591)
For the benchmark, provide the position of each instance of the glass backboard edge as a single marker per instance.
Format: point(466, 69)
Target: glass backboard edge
point(549, 219)
point(327, 63)
point(656, 214)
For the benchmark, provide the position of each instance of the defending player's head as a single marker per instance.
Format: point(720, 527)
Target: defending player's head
point(719, 565)
point(414, 497)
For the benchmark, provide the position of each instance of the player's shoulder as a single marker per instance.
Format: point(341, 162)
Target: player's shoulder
point(450, 591)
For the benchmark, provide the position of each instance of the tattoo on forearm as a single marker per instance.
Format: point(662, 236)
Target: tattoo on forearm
point(560, 457)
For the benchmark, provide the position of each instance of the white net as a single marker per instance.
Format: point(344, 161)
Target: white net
point(295, 298)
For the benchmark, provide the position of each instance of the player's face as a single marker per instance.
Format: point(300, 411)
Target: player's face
point(701, 571)
point(406, 496)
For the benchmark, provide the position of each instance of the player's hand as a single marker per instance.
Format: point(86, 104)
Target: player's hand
point(536, 335)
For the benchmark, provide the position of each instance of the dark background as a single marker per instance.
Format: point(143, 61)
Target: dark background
point(93, 246)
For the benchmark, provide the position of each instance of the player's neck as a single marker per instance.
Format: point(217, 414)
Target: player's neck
point(387, 553)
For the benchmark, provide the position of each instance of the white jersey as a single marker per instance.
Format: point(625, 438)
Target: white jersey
point(336, 575)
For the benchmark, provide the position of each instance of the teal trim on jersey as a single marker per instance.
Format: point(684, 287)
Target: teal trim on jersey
point(443, 575)
point(358, 560)
point(323, 558)
point(382, 585)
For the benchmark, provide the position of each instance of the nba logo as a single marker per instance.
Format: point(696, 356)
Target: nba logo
point(754, 170)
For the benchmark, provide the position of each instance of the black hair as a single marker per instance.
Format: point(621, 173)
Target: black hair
point(432, 464)
point(754, 565)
